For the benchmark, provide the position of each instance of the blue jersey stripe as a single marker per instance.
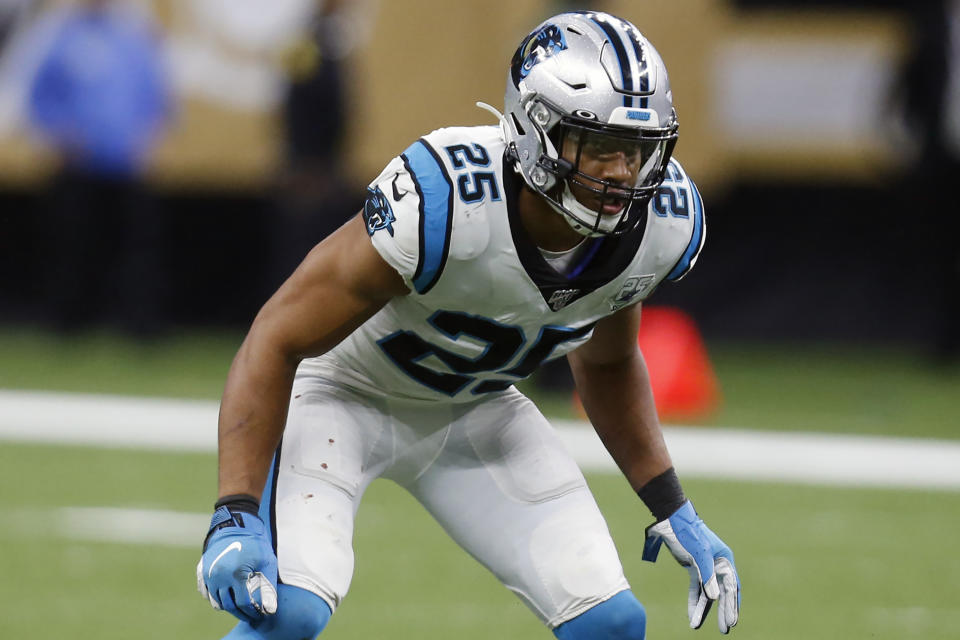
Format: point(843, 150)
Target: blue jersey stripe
point(436, 212)
point(696, 242)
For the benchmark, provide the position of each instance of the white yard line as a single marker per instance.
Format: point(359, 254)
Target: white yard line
point(154, 527)
point(134, 526)
point(110, 421)
point(190, 425)
point(808, 458)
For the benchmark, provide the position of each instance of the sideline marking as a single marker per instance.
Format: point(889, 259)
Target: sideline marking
point(808, 458)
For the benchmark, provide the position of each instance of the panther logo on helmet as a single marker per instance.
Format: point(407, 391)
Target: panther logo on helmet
point(537, 47)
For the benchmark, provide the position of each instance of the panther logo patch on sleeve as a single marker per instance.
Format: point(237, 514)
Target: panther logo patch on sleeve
point(377, 212)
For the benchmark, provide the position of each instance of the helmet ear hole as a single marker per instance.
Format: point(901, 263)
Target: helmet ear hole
point(517, 125)
point(556, 137)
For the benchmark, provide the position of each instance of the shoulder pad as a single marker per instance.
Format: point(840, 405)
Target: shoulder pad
point(678, 201)
point(408, 214)
point(419, 212)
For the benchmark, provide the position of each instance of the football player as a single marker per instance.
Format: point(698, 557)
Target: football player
point(392, 352)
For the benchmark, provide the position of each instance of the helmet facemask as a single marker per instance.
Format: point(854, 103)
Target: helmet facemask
point(604, 175)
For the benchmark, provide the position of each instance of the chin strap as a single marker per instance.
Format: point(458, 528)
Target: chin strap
point(574, 208)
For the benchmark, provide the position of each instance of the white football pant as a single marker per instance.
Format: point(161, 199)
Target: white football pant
point(492, 472)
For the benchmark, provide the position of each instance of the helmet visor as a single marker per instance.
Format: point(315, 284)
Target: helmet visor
point(622, 163)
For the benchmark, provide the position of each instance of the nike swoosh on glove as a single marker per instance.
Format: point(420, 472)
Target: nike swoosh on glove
point(713, 575)
point(238, 570)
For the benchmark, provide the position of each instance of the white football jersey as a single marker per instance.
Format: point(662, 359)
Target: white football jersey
point(485, 308)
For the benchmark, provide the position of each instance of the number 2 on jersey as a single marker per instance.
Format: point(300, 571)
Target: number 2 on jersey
point(475, 185)
point(502, 343)
point(671, 198)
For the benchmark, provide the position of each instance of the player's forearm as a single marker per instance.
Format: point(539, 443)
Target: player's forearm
point(619, 402)
point(252, 415)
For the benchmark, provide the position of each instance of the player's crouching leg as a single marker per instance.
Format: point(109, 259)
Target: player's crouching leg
point(300, 615)
point(622, 617)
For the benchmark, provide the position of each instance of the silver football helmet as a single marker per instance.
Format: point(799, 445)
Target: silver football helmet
point(589, 119)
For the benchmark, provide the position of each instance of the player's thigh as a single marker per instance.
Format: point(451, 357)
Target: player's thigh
point(327, 459)
point(507, 490)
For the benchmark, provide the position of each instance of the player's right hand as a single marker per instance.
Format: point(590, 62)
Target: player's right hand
point(238, 570)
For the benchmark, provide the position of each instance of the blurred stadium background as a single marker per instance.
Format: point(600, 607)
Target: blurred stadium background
point(824, 136)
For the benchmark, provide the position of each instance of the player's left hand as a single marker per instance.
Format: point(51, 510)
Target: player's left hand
point(713, 575)
point(238, 569)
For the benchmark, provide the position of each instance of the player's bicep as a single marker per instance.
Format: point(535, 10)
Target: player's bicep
point(342, 282)
point(614, 339)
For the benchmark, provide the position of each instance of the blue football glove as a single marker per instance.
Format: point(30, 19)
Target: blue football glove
point(713, 576)
point(238, 570)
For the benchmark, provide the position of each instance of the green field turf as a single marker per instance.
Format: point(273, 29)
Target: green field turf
point(815, 562)
point(877, 390)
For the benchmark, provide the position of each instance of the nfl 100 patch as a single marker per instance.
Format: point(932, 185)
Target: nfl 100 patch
point(561, 298)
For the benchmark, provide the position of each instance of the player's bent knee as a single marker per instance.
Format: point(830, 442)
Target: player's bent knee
point(301, 615)
point(622, 617)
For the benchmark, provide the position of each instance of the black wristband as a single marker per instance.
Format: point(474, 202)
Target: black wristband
point(663, 495)
point(242, 502)
point(239, 502)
